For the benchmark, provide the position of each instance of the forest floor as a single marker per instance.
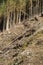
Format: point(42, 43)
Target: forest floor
point(23, 44)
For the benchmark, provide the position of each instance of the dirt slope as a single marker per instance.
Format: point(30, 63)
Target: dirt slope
point(23, 45)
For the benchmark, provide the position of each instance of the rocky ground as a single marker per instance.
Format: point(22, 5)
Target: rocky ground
point(23, 44)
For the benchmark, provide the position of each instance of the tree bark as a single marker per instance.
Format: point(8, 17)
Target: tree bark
point(31, 8)
point(14, 18)
point(20, 16)
point(7, 24)
point(17, 16)
point(41, 7)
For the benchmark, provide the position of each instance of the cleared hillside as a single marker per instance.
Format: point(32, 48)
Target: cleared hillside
point(23, 45)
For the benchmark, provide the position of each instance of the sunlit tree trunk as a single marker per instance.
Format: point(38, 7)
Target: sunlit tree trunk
point(14, 18)
point(7, 24)
point(19, 16)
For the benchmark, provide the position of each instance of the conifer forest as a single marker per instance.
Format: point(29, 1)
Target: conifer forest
point(21, 32)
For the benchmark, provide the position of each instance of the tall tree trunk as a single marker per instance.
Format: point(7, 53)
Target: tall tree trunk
point(38, 7)
point(7, 24)
point(14, 18)
point(11, 22)
point(31, 7)
point(19, 16)
point(41, 7)
point(10, 19)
